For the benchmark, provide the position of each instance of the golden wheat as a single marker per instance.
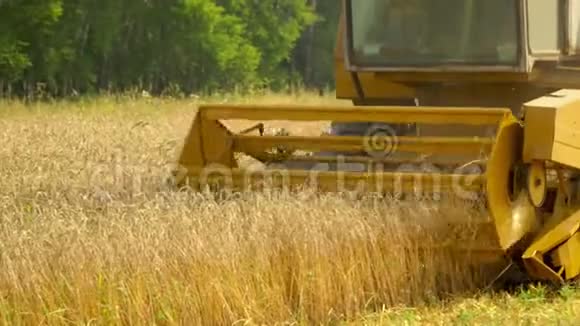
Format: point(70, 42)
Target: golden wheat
point(89, 233)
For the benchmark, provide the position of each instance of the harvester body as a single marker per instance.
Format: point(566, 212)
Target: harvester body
point(461, 97)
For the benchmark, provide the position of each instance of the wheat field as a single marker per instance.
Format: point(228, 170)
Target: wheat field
point(91, 234)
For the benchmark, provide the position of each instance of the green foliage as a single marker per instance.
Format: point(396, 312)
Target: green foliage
point(13, 60)
point(533, 294)
point(568, 292)
point(25, 30)
point(314, 54)
point(180, 46)
point(273, 26)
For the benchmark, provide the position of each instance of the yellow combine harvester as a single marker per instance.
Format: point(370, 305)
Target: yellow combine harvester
point(484, 93)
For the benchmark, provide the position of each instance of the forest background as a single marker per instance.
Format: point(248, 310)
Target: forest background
point(61, 48)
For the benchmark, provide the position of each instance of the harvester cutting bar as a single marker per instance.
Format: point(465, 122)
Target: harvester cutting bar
point(392, 114)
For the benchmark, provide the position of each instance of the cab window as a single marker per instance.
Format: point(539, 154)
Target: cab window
point(434, 32)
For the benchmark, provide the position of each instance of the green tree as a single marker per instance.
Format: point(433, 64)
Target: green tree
point(273, 26)
point(313, 57)
point(25, 34)
point(83, 46)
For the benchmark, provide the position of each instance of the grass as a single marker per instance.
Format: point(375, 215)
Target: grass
point(89, 233)
point(528, 306)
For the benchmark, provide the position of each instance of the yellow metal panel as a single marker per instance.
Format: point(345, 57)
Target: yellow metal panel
point(513, 219)
point(217, 144)
point(537, 268)
point(552, 128)
point(566, 154)
point(538, 133)
point(567, 134)
point(391, 114)
point(192, 152)
point(568, 256)
point(207, 142)
point(555, 236)
point(372, 87)
point(549, 239)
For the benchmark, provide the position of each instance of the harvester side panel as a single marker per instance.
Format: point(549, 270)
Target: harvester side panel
point(552, 129)
point(552, 139)
point(513, 214)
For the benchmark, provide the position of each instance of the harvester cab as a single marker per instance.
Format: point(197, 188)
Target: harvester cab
point(484, 93)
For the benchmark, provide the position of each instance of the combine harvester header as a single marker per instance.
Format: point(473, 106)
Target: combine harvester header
point(464, 97)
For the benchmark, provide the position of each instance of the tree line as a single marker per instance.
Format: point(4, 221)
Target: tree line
point(64, 47)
